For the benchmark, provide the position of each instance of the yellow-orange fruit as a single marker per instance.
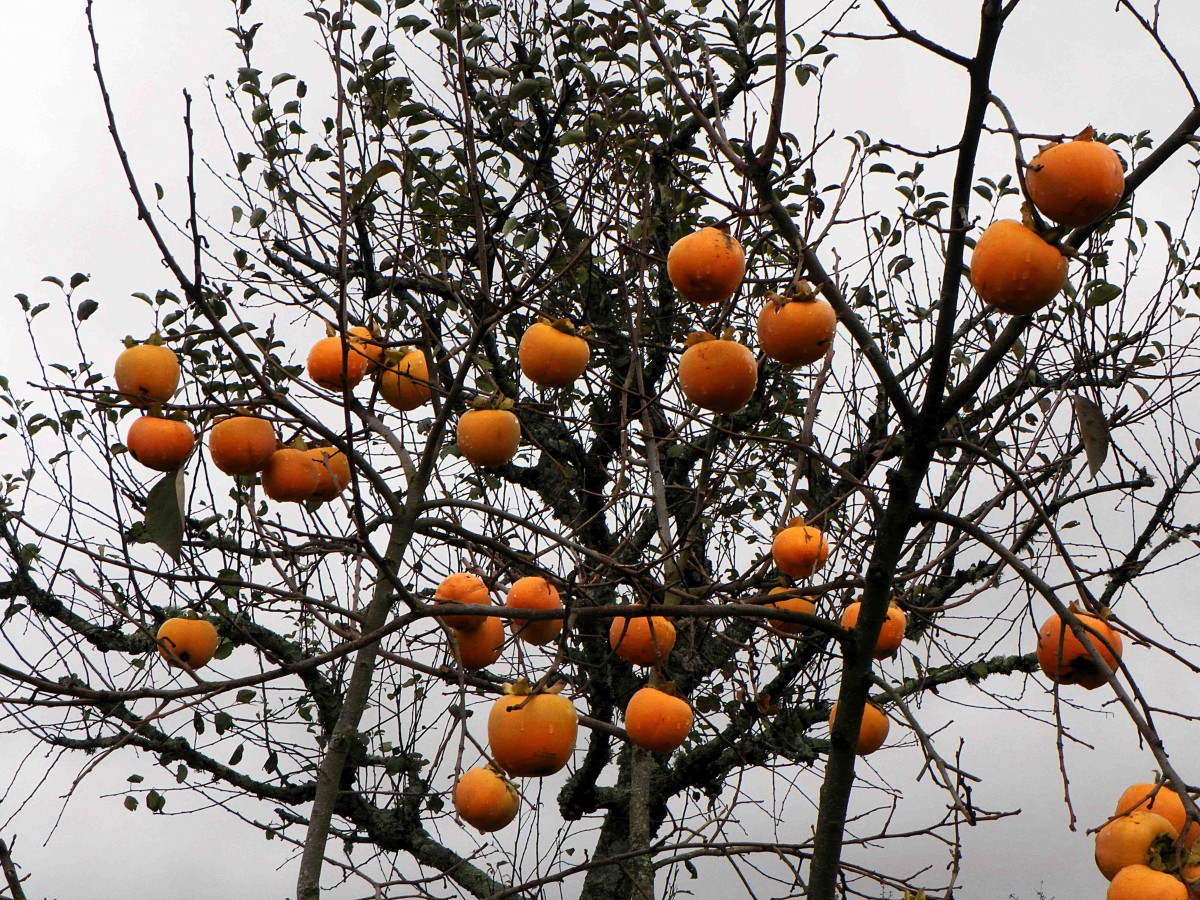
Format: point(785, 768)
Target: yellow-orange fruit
point(1076, 183)
point(480, 647)
point(873, 731)
point(1163, 801)
point(485, 800)
point(291, 476)
point(1063, 658)
point(532, 736)
point(1143, 883)
point(333, 472)
point(799, 550)
point(158, 443)
point(147, 373)
point(534, 592)
point(891, 635)
point(365, 342)
point(718, 375)
point(550, 357)
point(405, 383)
point(796, 333)
point(1128, 840)
point(790, 601)
point(1016, 271)
point(242, 445)
point(335, 363)
point(657, 721)
point(488, 437)
point(462, 587)
point(642, 640)
point(706, 266)
point(191, 641)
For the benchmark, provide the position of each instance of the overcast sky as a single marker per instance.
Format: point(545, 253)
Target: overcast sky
point(1063, 64)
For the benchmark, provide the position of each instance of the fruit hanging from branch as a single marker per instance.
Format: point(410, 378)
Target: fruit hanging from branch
point(242, 445)
point(462, 587)
point(534, 592)
point(403, 380)
point(187, 640)
point(291, 476)
point(1076, 183)
point(480, 646)
point(532, 735)
point(657, 720)
point(552, 354)
point(486, 800)
point(799, 550)
point(790, 600)
point(1063, 657)
point(717, 374)
point(147, 373)
point(1016, 271)
point(642, 640)
point(891, 634)
point(488, 435)
point(706, 266)
point(160, 443)
point(797, 330)
point(333, 472)
point(873, 731)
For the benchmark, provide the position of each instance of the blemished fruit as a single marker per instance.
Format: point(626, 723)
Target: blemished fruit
point(1016, 271)
point(1143, 883)
point(291, 476)
point(242, 445)
point(1163, 801)
point(873, 731)
point(1130, 840)
point(325, 363)
point(158, 443)
point(333, 472)
point(191, 641)
point(657, 720)
point(488, 437)
point(534, 592)
point(891, 635)
point(532, 736)
point(790, 601)
point(147, 373)
point(552, 355)
point(486, 800)
point(796, 332)
point(1076, 183)
point(1070, 663)
point(404, 381)
point(462, 587)
point(717, 374)
point(799, 550)
point(642, 640)
point(480, 647)
point(706, 266)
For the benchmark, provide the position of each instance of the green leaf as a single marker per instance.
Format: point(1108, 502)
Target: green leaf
point(1101, 293)
point(131, 803)
point(237, 755)
point(155, 801)
point(77, 279)
point(370, 5)
point(524, 89)
point(1093, 431)
point(86, 308)
point(377, 171)
point(245, 695)
point(164, 513)
point(222, 721)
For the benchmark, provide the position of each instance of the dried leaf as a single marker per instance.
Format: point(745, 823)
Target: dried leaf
point(1093, 431)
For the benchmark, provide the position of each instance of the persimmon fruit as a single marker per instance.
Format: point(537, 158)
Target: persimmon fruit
point(552, 355)
point(534, 735)
point(891, 635)
point(403, 380)
point(333, 472)
point(1016, 271)
point(480, 647)
point(706, 266)
point(534, 592)
point(486, 800)
point(191, 641)
point(159, 443)
point(462, 587)
point(488, 438)
point(1158, 799)
point(658, 720)
point(642, 640)
point(1076, 183)
point(1140, 882)
point(291, 476)
point(364, 341)
point(796, 332)
point(717, 374)
point(242, 445)
point(338, 363)
point(799, 550)
point(147, 373)
point(790, 600)
point(873, 731)
point(1131, 840)
point(1064, 659)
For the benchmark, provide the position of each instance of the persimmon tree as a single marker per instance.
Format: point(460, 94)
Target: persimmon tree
point(461, 169)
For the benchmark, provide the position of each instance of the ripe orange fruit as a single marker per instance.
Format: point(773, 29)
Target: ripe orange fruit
point(706, 266)
point(147, 373)
point(1143, 883)
point(329, 368)
point(1076, 183)
point(191, 641)
point(873, 731)
point(480, 647)
point(158, 443)
point(291, 475)
point(796, 332)
point(532, 735)
point(790, 601)
point(891, 635)
point(1163, 801)
point(1016, 271)
point(242, 445)
point(799, 550)
point(642, 640)
point(552, 355)
point(1129, 840)
point(364, 341)
point(462, 587)
point(404, 380)
point(534, 592)
point(717, 374)
point(488, 437)
point(1063, 658)
point(333, 472)
point(485, 800)
point(657, 720)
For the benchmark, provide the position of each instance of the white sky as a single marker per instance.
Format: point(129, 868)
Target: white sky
point(1063, 64)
